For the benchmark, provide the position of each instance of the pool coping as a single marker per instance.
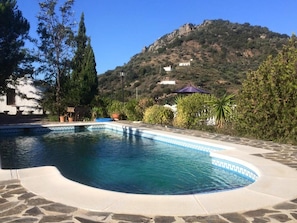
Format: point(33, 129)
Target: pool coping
point(277, 183)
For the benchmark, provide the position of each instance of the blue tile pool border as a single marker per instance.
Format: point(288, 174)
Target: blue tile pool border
point(238, 168)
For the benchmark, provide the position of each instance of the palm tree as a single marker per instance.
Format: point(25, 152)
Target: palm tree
point(222, 109)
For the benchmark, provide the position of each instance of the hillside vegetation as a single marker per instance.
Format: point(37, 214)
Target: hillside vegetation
point(220, 54)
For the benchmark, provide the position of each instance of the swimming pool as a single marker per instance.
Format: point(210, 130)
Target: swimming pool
point(124, 160)
point(275, 183)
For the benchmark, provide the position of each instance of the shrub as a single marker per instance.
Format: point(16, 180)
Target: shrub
point(99, 106)
point(98, 112)
point(158, 114)
point(144, 103)
point(132, 110)
point(53, 118)
point(192, 111)
point(115, 107)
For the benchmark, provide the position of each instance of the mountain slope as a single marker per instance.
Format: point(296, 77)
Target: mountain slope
point(215, 56)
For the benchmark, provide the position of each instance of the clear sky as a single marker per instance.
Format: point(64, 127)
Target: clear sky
point(119, 29)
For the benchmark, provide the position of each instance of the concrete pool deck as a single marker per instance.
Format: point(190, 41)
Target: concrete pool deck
point(271, 197)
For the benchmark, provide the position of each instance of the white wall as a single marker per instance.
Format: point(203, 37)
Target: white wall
point(185, 64)
point(169, 68)
point(167, 82)
point(26, 99)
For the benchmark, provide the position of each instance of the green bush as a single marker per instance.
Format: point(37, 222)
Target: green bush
point(192, 111)
point(99, 106)
point(144, 103)
point(98, 112)
point(132, 112)
point(115, 107)
point(53, 118)
point(158, 114)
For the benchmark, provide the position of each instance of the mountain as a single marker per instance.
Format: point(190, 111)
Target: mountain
point(215, 56)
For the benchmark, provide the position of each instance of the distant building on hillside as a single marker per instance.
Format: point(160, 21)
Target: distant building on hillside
point(167, 82)
point(168, 68)
point(185, 64)
point(22, 98)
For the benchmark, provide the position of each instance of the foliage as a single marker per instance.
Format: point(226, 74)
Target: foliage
point(131, 110)
point(100, 106)
point(115, 106)
point(144, 103)
point(84, 81)
point(55, 49)
point(14, 29)
point(192, 110)
point(158, 114)
point(98, 112)
point(222, 109)
point(52, 118)
point(266, 106)
point(135, 108)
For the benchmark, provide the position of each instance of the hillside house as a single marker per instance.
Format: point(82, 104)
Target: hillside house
point(167, 81)
point(184, 64)
point(22, 98)
point(168, 68)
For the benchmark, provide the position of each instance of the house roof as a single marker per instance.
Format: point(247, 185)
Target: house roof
point(191, 89)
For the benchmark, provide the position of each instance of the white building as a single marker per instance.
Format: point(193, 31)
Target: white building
point(22, 98)
point(184, 64)
point(168, 68)
point(167, 82)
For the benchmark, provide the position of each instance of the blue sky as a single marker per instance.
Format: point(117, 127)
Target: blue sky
point(119, 29)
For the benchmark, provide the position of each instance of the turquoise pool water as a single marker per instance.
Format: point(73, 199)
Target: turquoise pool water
point(120, 162)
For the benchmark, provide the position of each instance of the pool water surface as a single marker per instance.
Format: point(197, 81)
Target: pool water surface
point(119, 162)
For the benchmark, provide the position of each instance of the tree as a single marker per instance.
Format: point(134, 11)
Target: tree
point(267, 103)
point(14, 29)
point(90, 83)
point(84, 75)
point(222, 109)
point(81, 43)
point(55, 50)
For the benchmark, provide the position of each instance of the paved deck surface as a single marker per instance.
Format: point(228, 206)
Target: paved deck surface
point(20, 205)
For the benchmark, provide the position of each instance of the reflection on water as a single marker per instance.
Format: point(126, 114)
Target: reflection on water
point(119, 162)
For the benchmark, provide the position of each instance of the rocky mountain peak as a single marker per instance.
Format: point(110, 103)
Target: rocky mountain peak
point(184, 30)
point(168, 38)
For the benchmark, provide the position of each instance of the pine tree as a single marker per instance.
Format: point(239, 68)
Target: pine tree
point(90, 80)
point(267, 103)
point(84, 75)
point(14, 29)
point(81, 43)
